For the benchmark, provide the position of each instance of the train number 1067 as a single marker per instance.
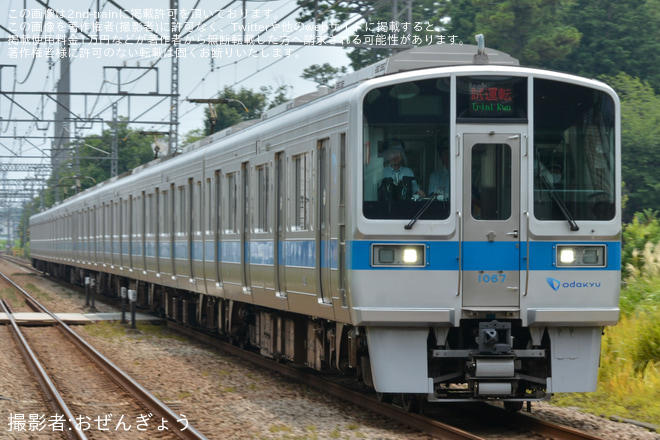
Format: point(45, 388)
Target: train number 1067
point(492, 278)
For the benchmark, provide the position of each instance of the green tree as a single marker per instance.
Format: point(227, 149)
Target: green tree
point(379, 27)
point(323, 74)
point(640, 142)
point(89, 163)
point(534, 31)
point(242, 105)
point(192, 136)
point(462, 22)
point(644, 228)
point(617, 36)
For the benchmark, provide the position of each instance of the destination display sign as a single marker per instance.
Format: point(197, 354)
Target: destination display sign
point(492, 97)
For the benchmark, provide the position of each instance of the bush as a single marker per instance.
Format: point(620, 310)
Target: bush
point(647, 342)
point(642, 291)
point(644, 228)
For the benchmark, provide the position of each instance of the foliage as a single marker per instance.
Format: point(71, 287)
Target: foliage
point(192, 136)
point(644, 228)
point(617, 36)
point(647, 343)
point(640, 137)
point(243, 105)
point(642, 290)
point(89, 163)
point(534, 31)
point(379, 26)
point(624, 390)
point(323, 74)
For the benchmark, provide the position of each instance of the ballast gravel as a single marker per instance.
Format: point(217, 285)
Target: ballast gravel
point(227, 398)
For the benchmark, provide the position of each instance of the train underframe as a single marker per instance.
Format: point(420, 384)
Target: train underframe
point(480, 360)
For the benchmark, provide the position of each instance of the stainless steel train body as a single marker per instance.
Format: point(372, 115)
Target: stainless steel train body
point(284, 234)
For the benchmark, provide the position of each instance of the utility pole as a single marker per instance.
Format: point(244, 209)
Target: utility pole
point(62, 128)
point(174, 100)
point(114, 151)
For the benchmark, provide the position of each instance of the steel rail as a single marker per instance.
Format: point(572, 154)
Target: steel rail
point(428, 426)
point(552, 430)
point(154, 405)
point(47, 385)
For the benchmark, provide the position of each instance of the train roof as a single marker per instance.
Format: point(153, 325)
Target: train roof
point(416, 58)
point(426, 57)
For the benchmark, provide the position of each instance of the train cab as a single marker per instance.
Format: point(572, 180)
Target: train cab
point(487, 251)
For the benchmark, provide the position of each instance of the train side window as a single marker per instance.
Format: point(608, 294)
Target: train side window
point(302, 186)
point(197, 205)
point(207, 227)
point(163, 214)
point(217, 213)
point(263, 198)
point(232, 203)
point(148, 215)
point(125, 226)
point(183, 212)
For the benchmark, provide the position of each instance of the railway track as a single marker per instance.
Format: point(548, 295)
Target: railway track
point(491, 420)
point(88, 401)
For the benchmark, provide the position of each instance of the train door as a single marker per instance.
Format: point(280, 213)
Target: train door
point(157, 230)
point(245, 228)
point(490, 256)
point(217, 227)
point(193, 207)
point(323, 229)
point(279, 227)
point(144, 219)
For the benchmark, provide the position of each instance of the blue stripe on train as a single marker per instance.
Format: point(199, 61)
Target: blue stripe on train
point(441, 255)
point(485, 255)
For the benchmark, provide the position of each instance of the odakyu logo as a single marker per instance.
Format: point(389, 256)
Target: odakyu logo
point(556, 284)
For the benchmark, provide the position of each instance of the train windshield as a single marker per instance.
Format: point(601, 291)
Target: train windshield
point(406, 147)
point(574, 146)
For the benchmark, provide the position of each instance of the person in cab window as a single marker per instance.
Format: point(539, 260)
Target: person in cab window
point(398, 182)
point(556, 177)
point(439, 179)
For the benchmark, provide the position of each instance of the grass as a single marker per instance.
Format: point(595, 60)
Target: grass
point(106, 330)
point(112, 330)
point(38, 294)
point(629, 374)
point(625, 387)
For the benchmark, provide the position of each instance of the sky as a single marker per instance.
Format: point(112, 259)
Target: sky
point(31, 56)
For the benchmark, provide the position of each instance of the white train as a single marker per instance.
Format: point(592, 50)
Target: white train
point(444, 225)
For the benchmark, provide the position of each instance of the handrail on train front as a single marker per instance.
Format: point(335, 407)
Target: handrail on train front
point(527, 257)
point(460, 251)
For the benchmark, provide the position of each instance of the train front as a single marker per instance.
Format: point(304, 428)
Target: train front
point(485, 260)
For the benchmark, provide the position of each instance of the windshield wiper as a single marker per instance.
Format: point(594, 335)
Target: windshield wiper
point(422, 210)
point(560, 203)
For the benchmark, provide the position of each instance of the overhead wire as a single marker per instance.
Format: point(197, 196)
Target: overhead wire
point(94, 111)
point(360, 17)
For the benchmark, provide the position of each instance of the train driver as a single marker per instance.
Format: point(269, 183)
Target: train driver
point(439, 179)
point(398, 182)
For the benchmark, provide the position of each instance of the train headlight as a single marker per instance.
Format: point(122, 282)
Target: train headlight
point(410, 256)
point(567, 256)
point(404, 255)
point(581, 256)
